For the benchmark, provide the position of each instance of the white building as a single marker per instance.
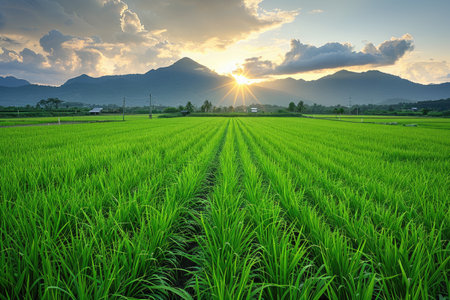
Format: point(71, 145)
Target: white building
point(253, 109)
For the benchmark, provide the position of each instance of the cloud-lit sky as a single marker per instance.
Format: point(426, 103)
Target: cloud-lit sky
point(50, 41)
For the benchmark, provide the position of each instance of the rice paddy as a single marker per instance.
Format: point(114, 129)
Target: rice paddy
point(225, 208)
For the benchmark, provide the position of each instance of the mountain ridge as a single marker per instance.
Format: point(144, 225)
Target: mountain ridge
point(187, 80)
point(11, 81)
point(369, 87)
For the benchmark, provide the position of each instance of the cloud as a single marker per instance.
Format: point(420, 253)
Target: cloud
point(52, 43)
point(29, 57)
point(8, 41)
point(193, 21)
point(315, 11)
point(303, 57)
point(65, 56)
point(126, 36)
point(130, 22)
point(26, 64)
point(255, 67)
point(427, 71)
point(214, 22)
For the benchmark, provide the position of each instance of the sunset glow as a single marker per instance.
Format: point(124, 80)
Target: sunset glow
point(54, 40)
point(242, 80)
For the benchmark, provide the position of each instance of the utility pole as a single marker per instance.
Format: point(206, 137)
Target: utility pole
point(150, 113)
point(123, 109)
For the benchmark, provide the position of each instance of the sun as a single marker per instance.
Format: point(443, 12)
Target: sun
point(240, 89)
point(241, 80)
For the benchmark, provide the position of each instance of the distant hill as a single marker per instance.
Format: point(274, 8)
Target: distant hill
point(394, 101)
point(10, 81)
point(371, 87)
point(187, 80)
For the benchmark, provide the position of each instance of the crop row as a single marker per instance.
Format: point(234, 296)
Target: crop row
point(218, 208)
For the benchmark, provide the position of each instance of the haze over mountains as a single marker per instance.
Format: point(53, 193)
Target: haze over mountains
point(371, 87)
point(187, 80)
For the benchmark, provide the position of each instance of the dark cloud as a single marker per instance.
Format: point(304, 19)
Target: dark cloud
point(7, 41)
point(98, 36)
point(303, 57)
point(26, 64)
point(52, 42)
point(255, 67)
point(29, 57)
point(193, 21)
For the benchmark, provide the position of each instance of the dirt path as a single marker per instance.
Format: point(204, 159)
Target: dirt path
point(62, 123)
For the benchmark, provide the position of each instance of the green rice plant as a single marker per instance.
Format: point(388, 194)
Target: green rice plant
point(285, 208)
point(285, 270)
point(226, 254)
point(292, 202)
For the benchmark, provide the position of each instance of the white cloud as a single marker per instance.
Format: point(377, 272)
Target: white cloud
point(315, 11)
point(215, 22)
point(130, 22)
point(303, 57)
point(122, 36)
point(427, 71)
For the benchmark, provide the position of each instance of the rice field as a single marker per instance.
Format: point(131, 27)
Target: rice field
point(78, 119)
point(425, 121)
point(225, 208)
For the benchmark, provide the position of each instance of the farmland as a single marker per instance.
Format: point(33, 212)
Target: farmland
point(225, 208)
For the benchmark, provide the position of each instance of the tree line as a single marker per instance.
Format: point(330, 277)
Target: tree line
point(51, 106)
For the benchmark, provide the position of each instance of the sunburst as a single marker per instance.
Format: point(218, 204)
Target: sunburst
point(239, 88)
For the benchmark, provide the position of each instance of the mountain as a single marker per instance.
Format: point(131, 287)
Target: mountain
point(187, 80)
point(10, 81)
point(393, 101)
point(371, 87)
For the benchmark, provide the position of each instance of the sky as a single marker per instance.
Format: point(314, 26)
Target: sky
point(50, 41)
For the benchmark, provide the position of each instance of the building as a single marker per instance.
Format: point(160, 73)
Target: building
point(253, 109)
point(96, 111)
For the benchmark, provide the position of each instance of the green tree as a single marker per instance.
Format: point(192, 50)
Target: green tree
point(54, 102)
point(300, 106)
point(189, 107)
point(291, 107)
point(170, 110)
point(206, 107)
point(49, 103)
point(41, 104)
